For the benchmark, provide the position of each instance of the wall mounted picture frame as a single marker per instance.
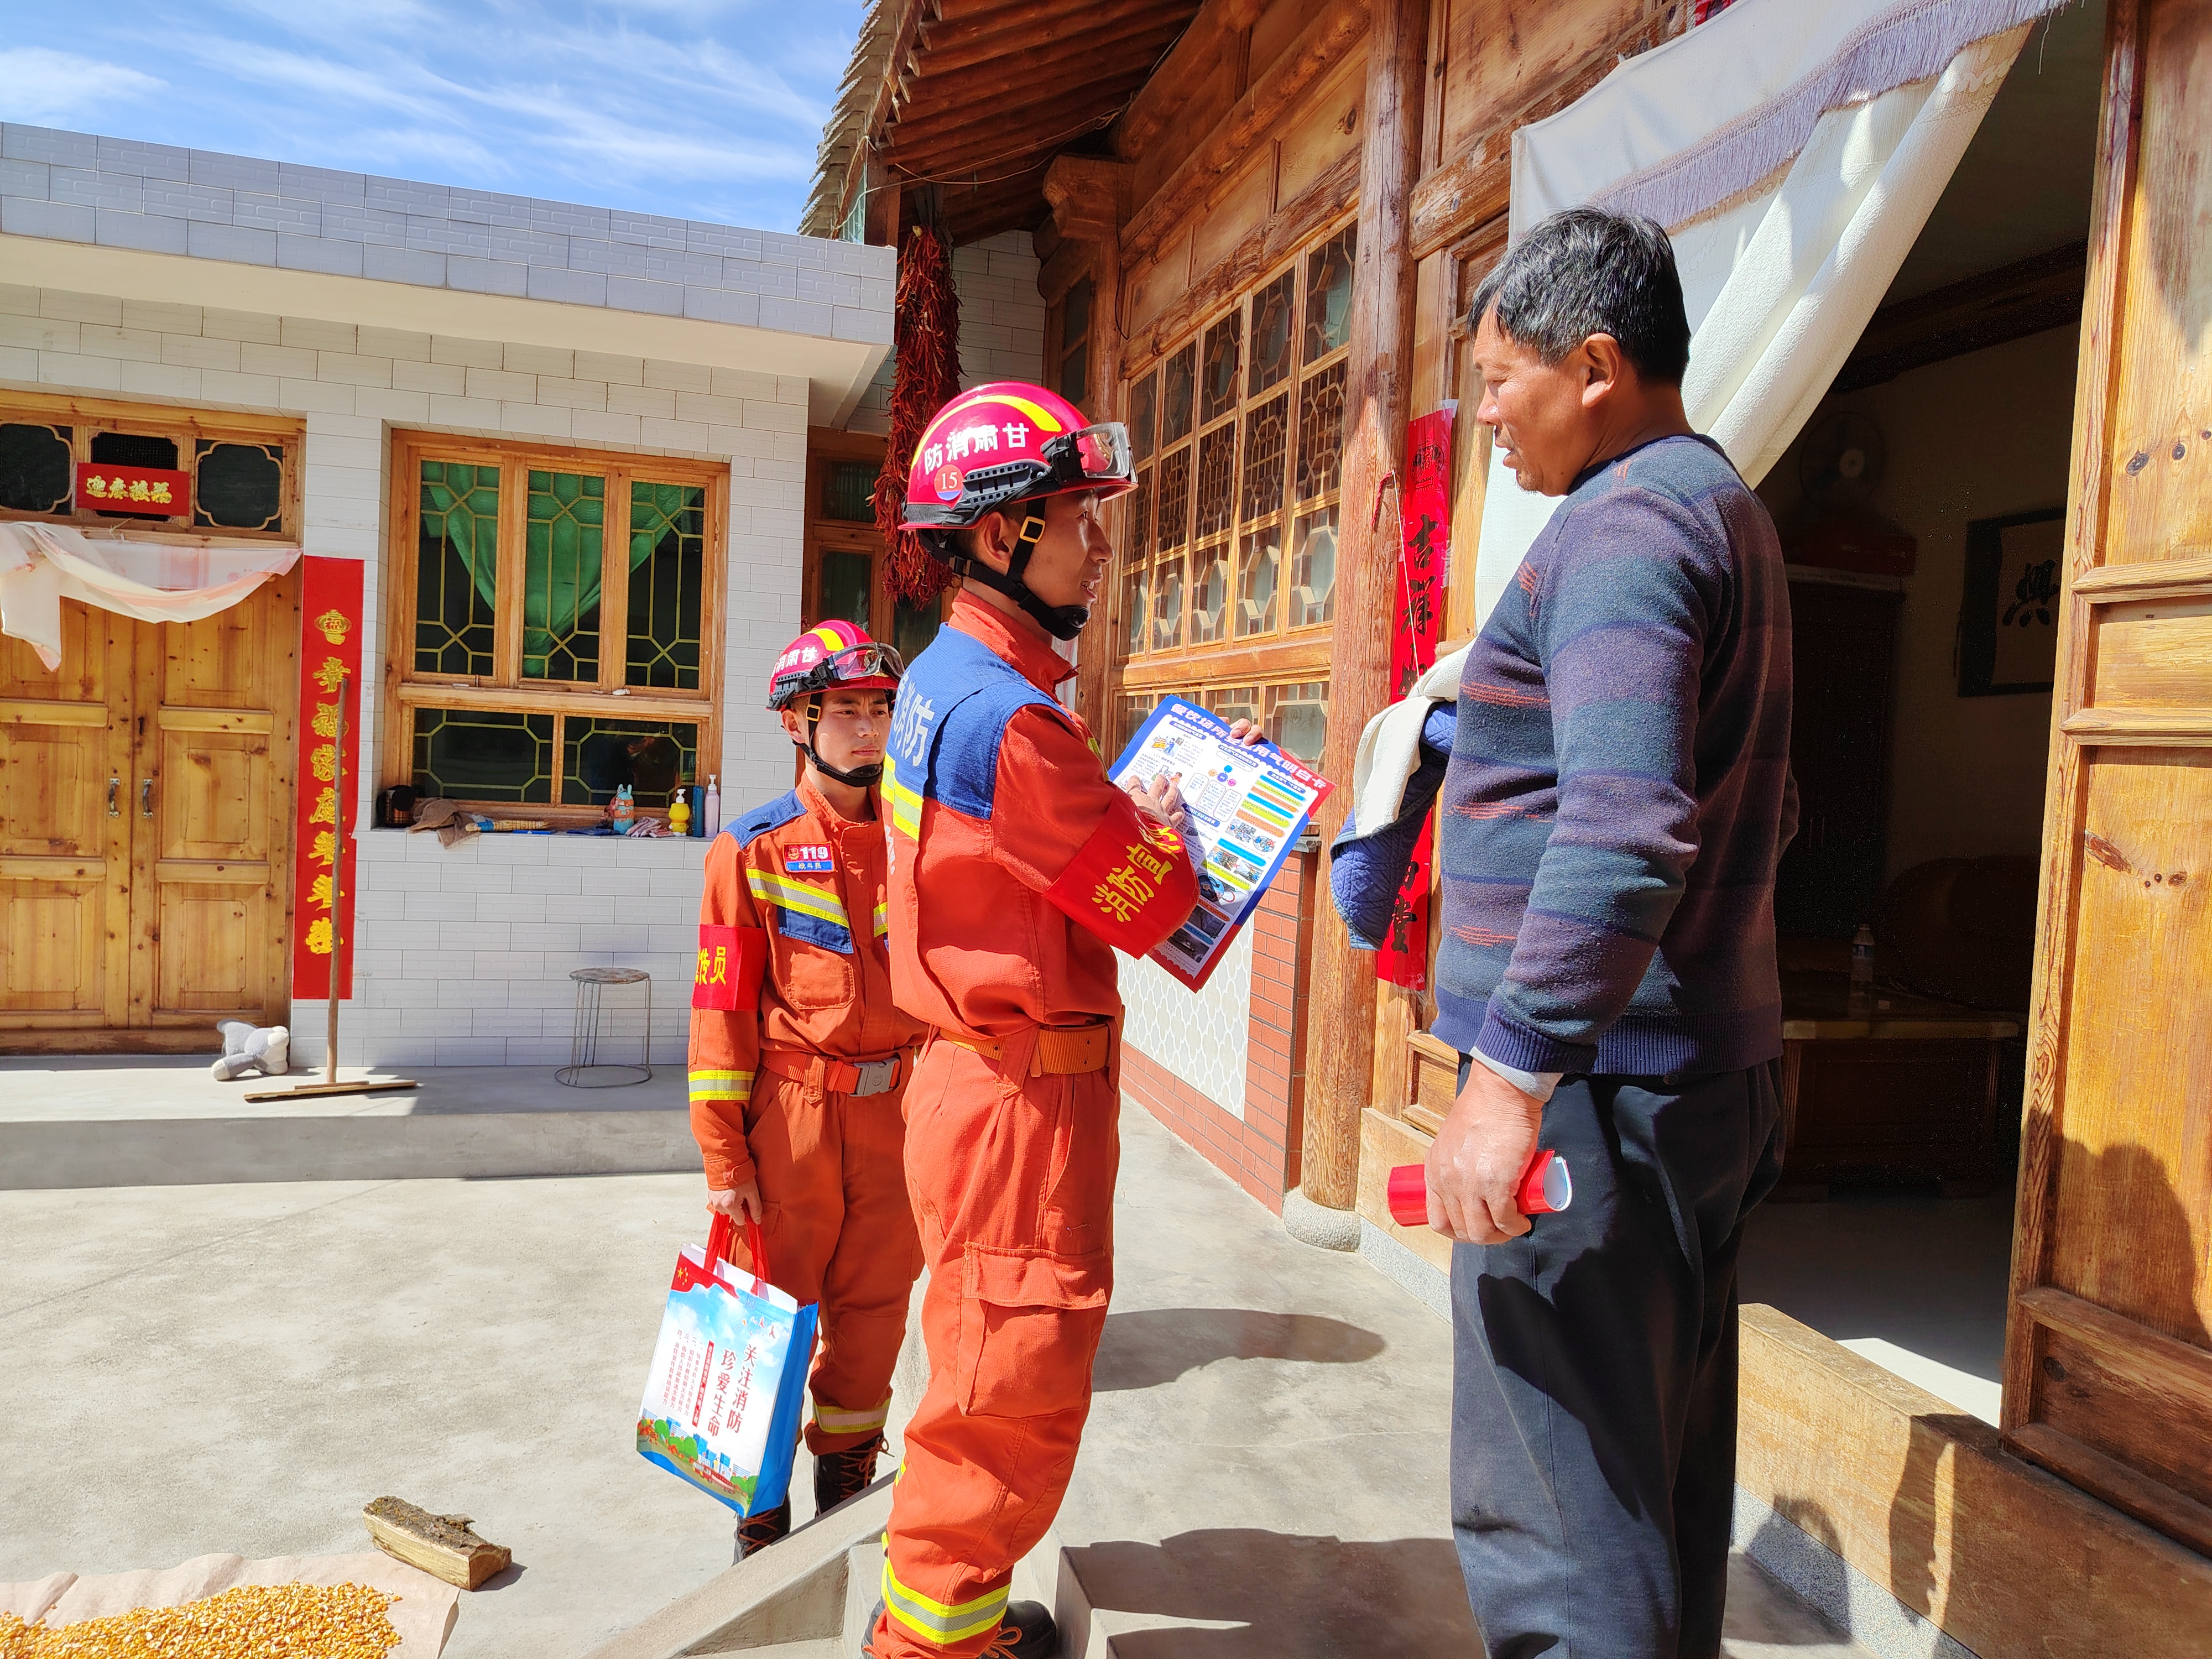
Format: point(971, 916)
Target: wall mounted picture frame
point(2008, 621)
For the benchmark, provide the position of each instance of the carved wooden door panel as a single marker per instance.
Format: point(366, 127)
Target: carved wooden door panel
point(215, 746)
point(2108, 1371)
point(65, 833)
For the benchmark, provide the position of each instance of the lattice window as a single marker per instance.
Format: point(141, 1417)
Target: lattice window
point(457, 579)
point(668, 580)
point(563, 558)
point(1173, 521)
point(542, 588)
point(240, 472)
point(1272, 309)
point(1321, 433)
point(1237, 433)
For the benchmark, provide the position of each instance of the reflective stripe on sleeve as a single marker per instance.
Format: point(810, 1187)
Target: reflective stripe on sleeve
point(882, 919)
point(771, 889)
point(935, 1622)
point(722, 1085)
point(830, 1420)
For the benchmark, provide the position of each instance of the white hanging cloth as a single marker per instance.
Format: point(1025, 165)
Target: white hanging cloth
point(1793, 151)
point(43, 564)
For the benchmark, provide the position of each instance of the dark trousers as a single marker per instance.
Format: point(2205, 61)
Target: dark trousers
point(1594, 1395)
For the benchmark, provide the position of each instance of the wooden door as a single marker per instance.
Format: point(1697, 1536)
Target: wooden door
point(213, 786)
point(2108, 1370)
point(145, 830)
point(65, 833)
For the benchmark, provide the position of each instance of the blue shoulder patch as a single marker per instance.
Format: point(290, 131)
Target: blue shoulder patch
point(762, 819)
point(953, 707)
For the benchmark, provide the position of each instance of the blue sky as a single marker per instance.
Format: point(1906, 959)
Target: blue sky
point(707, 109)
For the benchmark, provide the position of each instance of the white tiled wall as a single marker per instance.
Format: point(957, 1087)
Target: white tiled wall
point(1001, 323)
point(466, 952)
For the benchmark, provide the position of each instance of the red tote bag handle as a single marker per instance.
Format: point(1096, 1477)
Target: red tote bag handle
point(718, 1236)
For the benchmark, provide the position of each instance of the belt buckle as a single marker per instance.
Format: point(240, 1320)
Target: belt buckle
point(875, 1075)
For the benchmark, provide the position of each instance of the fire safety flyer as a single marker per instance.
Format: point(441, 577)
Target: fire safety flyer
point(1248, 805)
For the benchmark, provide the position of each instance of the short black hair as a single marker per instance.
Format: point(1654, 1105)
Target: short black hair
point(1587, 271)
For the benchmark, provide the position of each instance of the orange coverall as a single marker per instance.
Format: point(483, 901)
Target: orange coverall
point(771, 1087)
point(1016, 869)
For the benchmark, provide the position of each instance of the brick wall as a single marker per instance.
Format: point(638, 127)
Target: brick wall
point(463, 954)
point(1259, 1151)
point(1001, 323)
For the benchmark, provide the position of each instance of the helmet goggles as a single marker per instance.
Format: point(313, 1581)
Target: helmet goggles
point(1095, 456)
point(872, 662)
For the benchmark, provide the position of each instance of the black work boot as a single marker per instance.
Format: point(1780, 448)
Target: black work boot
point(1026, 1632)
point(756, 1531)
point(839, 1475)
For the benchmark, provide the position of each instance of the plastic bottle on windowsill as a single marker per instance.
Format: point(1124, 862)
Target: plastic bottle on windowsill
point(712, 813)
point(1862, 1000)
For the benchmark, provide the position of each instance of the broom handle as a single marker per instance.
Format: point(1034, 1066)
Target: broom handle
point(338, 894)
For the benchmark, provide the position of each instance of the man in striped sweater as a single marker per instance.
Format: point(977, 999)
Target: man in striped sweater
point(1617, 800)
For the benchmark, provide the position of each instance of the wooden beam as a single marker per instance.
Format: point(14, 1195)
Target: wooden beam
point(1318, 49)
point(2042, 291)
point(1188, 65)
point(1116, 30)
point(1327, 198)
point(991, 151)
point(1340, 1070)
point(1020, 105)
point(1472, 187)
point(1090, 198)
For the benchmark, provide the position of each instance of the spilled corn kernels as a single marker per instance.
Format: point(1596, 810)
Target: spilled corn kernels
point(306, 1621)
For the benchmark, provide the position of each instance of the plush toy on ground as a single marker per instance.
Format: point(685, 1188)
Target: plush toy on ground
point(252, 1048)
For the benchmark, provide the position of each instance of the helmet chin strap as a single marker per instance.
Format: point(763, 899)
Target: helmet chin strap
point(862, 777)
point(1062, 621)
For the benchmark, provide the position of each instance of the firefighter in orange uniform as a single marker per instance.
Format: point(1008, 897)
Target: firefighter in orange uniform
point(800, 1057)
point(1017, 871)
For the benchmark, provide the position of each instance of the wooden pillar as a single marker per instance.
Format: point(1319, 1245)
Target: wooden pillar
point(1342, 1010)
point(1090, 199)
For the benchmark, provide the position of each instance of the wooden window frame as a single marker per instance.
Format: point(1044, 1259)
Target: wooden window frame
point(504, 690)
point(86, 417)
point(1287, 654)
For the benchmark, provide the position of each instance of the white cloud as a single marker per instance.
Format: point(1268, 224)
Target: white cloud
point(46, 88)
point(687, 108)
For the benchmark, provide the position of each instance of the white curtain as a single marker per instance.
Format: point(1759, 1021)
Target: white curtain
point(43, 564)
point(1793, 151)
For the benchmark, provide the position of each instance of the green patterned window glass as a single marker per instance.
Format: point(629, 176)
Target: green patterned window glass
point(848, 492)
point(35, 472)
point(667, 573)
point(456, 569)
point(239, 486)
point(1328, 293)
point(601, 755)
point(479, 755)
point(563, 558)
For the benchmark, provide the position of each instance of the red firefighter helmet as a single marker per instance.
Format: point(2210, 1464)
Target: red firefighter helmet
point(832, 655)
point(1003, 443)
point(1010, 441)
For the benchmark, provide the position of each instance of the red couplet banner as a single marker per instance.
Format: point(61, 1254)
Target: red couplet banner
point(324, 812)
point(1424, 548)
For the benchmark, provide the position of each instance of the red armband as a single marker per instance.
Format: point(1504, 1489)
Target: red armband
point(1132, 890)
point(731, 961)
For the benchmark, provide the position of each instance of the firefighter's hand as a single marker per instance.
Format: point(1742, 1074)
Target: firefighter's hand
point(1163, 799)
point(740, 1203)
point(1475, 1165)
point(1246, 732)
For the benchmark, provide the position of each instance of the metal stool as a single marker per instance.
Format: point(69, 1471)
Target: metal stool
point(584, 1045)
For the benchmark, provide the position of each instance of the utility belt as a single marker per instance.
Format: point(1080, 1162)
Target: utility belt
point(857, 1078)
point(1061, 1050)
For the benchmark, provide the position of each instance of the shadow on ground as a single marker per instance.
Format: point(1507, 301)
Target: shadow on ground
point(1278, 1596)
point(1145, 1347)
